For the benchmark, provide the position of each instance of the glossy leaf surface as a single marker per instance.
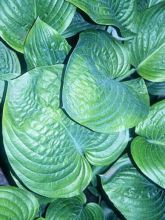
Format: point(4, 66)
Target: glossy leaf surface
point(94, 94)
point(148, 150)
point(74, 209)
point(17, 204)
point(135, 196)
point(45, 148)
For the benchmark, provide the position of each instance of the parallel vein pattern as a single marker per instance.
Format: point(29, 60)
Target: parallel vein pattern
point(45, 148)
point(17, 18)
point(135, 196)
point(17, 204)
point(9, 63)
point(148, 149)
point(74, 209)
point(97, 66)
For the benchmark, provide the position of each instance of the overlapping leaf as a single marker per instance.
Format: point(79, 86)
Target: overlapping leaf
point(78, 25)
point(143, 4)
point(17, 204)
point(9, 63)
point(110, 12)
point(44, 46)
point(148, 150)
point(93, 92)
point(17, 18)
point(156, 89)
point(148, 47)
point(134, 195)
point(74, 209)
point(47, 150)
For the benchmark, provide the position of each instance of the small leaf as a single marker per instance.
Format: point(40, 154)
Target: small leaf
point(156, 89)
point(78, 25)
point(132, 194)
point(17, 204)
point(2, 88)
point(110, 12)
point(17, 18)
point(97, 67)
point(148, 150)
point(148, 47)
point(47, 150)
point(44, 46)
point(9, 63)
point(74, 209)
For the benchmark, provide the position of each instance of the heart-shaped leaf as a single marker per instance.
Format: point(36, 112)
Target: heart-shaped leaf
point(44, 46)
point(148, 150)
point(78, 25)
point(93, 92)
point(17, 18)
point(132, 194)
point(74, 209)
point(9, 63)
point(148, 47)
point(110, 12)
point(45, 148)
point(17, 204)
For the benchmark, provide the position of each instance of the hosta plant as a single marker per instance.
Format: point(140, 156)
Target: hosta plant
point(82, 87)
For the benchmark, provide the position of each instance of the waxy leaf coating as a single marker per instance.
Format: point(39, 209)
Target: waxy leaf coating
point(110, 12)
point(132, 194)
point(44, 46)
point(47, 150)
point(148, 149)
point(148, 47)
point(17, 18)
point(74, 209)
point(9, 63)
point(94, 94)
point(17, 204)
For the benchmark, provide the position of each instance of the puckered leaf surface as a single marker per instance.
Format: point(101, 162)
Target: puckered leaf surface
point(93, 92)
point(47, 150)
point(17, 18)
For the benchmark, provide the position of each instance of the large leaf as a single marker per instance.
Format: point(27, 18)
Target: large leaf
point(78, 25)
point(9, 63)
point(74, 209)
point(47, 150)
point(110, 12)
point(44, 46)
point(93, 92)
point(134, 195)
point(17, 18)
point(17, 204)
point(148, 150)
point(148, 47)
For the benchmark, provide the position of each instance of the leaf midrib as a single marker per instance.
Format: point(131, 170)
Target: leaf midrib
point(148, 57)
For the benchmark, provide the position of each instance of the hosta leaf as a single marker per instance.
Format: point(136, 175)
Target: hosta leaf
point(74, 209)
point(97, 67)
point(47, 150)
point(110, 12)
point(148, 150)
point(9, 63)
point(45, 46)
point(134, 195)
point(157, 89)
point(79, 24)
point(17, 204)
point(143, 4)
point(17, 18)
point(148, 47)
